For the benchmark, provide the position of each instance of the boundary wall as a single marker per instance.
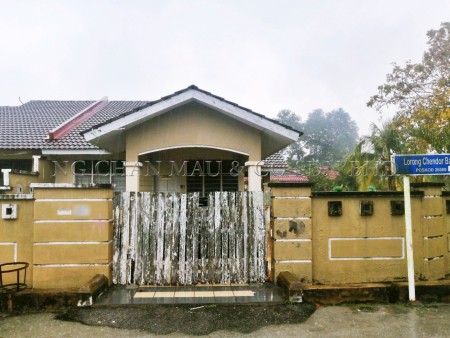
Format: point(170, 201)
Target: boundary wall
point(358, 237)
point(63, 232)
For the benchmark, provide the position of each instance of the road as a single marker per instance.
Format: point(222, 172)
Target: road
point(360, 320)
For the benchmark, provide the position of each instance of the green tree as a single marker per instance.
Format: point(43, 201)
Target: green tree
point(370, 163)
point(295, 152)
point(420, 93)
point(327, 138)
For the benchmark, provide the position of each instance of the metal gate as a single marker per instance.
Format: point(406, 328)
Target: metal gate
point(182, 239)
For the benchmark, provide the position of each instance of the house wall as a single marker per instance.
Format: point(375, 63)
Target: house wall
point(193, 124)
point(352, 248)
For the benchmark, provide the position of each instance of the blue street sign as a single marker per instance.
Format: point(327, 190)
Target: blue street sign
point(421, 164)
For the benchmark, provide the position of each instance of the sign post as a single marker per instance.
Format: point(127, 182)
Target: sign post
point(409, 239)
point(416, 165)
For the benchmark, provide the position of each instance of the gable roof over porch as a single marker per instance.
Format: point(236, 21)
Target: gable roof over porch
point(110, 133)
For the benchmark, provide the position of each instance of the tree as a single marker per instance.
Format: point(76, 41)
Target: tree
point(420, 92)
point(295, 152)
point(328, 136)
point(370, 160)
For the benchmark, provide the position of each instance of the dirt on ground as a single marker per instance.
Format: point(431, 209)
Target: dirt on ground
point(192, 320)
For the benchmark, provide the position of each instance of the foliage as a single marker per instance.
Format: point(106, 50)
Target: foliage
point(328, 136)
point(420, 92)
point(370, 163)
point(322, 179)
point(295, 152)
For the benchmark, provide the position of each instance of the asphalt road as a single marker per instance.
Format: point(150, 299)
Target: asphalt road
point(359, 320)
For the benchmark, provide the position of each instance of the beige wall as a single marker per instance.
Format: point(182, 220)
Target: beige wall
point(72, 236)
point(291, 224)
point(65, 234)
point(16, 235)
point(447, 231)
point(352, 248)
point(193, 124)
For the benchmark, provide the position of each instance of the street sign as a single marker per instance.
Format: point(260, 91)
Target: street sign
point(416, 165)
point(421, 164)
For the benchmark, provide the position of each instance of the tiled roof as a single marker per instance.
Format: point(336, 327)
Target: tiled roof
point(27, 126)
point(275, 161)
point(192, 87)
point(288, 177)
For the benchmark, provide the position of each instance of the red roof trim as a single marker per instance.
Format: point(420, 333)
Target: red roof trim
point(69, 125)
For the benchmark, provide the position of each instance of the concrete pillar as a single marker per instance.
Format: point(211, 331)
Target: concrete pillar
point(132, 173)
point(291, 242)
point(6, 176)
point(254, 169)
point(36, 163)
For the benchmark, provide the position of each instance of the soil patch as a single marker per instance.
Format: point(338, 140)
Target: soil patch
point(188, 319)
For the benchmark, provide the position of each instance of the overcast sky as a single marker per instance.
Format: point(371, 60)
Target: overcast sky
point(264, 55)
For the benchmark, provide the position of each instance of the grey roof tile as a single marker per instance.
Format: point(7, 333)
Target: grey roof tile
point(27, 126)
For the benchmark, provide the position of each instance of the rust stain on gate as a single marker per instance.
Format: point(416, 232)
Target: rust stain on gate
point(169, 238)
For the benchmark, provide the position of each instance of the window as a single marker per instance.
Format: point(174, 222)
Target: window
point(206, 176)
point(100, 172)
point(23, 165)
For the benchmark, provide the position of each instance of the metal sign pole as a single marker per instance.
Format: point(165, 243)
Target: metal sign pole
point(409, 239)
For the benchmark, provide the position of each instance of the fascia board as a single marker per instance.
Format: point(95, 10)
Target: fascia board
point(139, 116)
point(75, 152)
point(158, 108)
point(244, 116)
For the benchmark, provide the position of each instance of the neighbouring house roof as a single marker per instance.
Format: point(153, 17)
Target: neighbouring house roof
point(288, 177)
point(28, 126)
point(328, 171)
point(275, 161)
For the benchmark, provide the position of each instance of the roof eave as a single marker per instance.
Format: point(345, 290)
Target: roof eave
point(128, 120)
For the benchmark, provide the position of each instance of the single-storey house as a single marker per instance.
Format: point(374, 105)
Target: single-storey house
point(191, 140)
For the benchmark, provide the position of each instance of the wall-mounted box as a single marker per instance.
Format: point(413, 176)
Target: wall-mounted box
point(9, 211)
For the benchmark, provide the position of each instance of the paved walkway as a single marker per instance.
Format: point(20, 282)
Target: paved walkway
point(198, 294)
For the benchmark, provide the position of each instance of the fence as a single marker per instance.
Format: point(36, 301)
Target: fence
point(173, 238)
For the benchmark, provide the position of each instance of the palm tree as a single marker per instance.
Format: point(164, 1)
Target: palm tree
point(370, 160)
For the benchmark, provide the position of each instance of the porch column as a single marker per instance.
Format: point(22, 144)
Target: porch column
point(132, 173)
point(254, 169)
point(36, 163)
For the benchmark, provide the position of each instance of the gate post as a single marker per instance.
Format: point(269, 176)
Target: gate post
point(291, 232)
